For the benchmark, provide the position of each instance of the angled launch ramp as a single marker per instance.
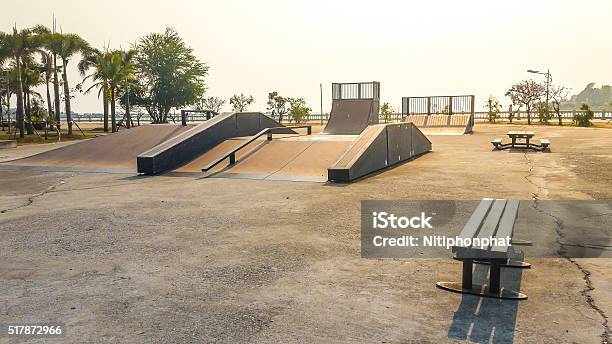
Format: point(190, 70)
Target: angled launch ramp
point(194, 142)
point(378, 147)
point(110, 153)
point(354, 107)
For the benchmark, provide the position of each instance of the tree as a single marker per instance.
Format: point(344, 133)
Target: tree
point(493, 108)
point(298, 109)
point(528, 93)
point(557, 95)
point(122, 72)
point(584, 119)
point(210, 103)
point(241, 102)
point(169, 74)
point(386, 111)
point(30, 79)
point(42, 33)
point(277, 104)
point(543, 112)
point(17, 46)
point(100, 62)
point(70, 44)
point(52, 42)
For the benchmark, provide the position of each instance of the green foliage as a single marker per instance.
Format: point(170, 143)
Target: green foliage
point(544, 113)
point(277, 104)
point(583, 119)
point(210, 103)
point(241, 102)
point(169, 74)
point(493, 109)
point(528, 93)
point(386, 112)
point(298, 109)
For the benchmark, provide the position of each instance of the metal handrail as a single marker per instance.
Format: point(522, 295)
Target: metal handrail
point(267, 131)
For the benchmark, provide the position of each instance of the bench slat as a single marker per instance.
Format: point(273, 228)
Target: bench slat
point(489, 228)
point(471, 227)
point(506, 225)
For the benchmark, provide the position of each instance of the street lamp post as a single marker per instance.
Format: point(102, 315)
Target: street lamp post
point(548, 82)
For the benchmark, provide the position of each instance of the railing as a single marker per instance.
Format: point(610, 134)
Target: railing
point(504, 116)
point(317, 117)
point(268, 131)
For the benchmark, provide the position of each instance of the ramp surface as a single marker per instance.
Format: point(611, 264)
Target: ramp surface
point(442, 124)
point(304, 158)
point(111, 153)
point(351, 117)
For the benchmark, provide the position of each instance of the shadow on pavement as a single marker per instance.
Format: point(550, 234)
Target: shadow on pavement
point(487, 320)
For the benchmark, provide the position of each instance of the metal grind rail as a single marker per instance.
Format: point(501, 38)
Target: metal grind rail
point(268, 131)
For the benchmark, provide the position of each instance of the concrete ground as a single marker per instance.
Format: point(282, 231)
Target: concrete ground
point(164, 259)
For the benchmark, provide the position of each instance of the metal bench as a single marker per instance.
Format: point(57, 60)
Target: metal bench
point(544, 143)
point(491, 219)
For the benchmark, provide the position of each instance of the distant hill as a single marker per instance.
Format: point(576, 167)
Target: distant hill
point(597, 98)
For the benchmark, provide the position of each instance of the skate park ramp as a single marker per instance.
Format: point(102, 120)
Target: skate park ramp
point(351, 117)
point(379, 147)
point(193, 143)
point(440, 115)
point(442, 124)
point(355, 105)
point(110, 153)
point(294, 158)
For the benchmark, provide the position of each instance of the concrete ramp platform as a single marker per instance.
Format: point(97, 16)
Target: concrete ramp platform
point(443, 124)
point(379, 147)
point(298, 158)
point(191, 144)
point(110, 153)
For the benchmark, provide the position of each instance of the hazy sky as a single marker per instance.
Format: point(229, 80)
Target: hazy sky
point(412, 47)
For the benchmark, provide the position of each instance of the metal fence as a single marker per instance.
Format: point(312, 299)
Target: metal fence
point(356, 90)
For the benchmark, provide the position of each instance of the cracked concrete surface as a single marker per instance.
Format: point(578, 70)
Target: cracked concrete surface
point(167, 259)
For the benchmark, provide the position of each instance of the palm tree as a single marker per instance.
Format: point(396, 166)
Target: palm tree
point(42, 36)
point(52, 42)
point(47, 68)
point(17, 46)
point(123, 73)
point(101, 63)
point(64, 46)
point(30, 78)
point(71, 44)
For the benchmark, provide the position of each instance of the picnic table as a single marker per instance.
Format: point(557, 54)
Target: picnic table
point(521, 139)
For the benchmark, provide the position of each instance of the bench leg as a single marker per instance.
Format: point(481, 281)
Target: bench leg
point(466, 279)
point(494, 277)
point(493, 290)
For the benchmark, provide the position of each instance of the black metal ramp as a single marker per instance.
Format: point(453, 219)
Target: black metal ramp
point(378, 147)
